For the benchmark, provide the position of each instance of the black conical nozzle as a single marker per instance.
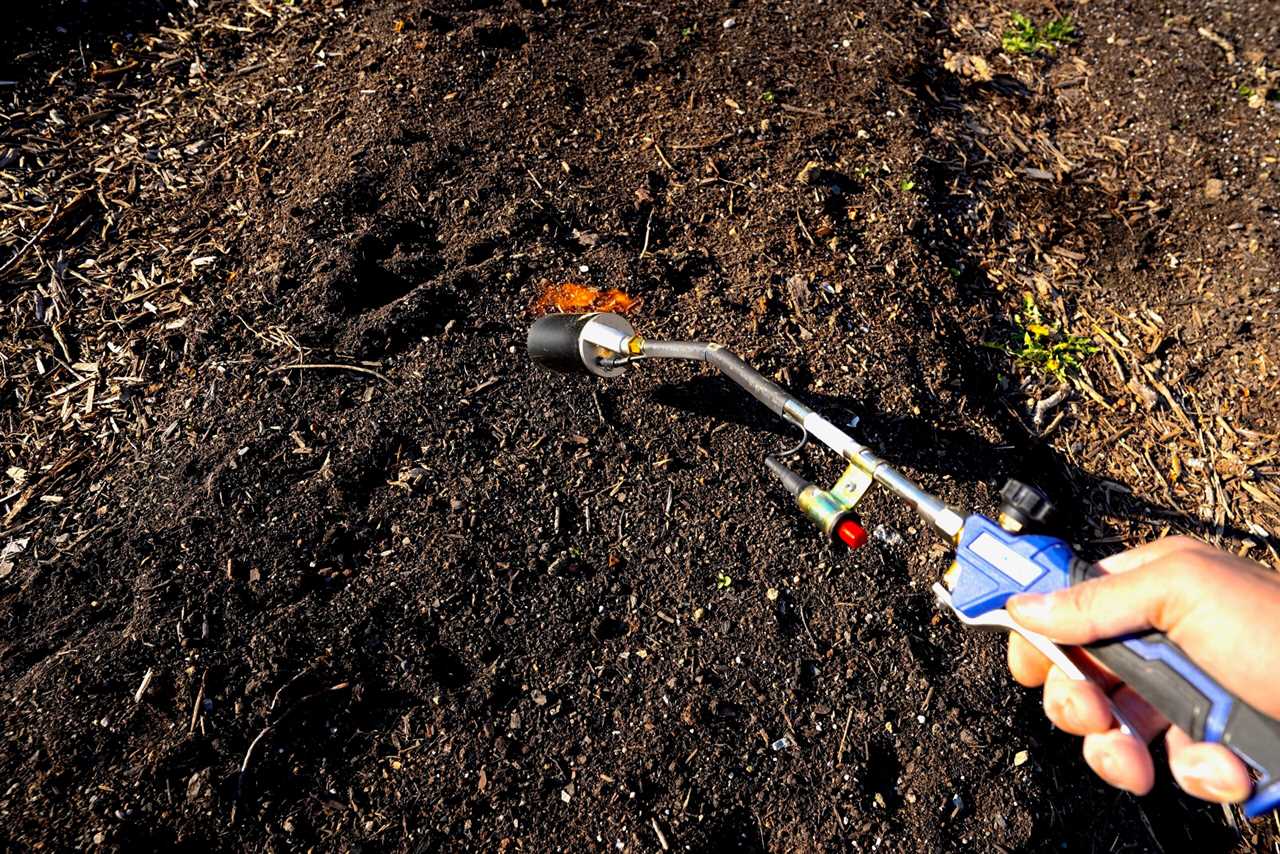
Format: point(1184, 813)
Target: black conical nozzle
point(554, 342)
point(792, 482)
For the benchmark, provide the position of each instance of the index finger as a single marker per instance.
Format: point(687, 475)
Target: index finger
point(1140, 556)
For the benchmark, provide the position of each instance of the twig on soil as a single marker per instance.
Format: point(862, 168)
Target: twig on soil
point(843, 736)
point(805, 623)
point(13, 259)
point(195, 707)
point(658, 148)
point(1147, 823)
point(492, 381)
point(805, 110)
point(248, 754)
point(662, 840)
point(645, 249)
point(142, 689)
point(1226, 46)
point(804, 230)
point(244, 767)
point(333, 366)
point(700, 145)
point(1045, 406)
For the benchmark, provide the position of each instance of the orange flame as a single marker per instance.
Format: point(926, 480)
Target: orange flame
point(571, 298)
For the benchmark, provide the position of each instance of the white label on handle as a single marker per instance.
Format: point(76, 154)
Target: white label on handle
point(1005, 559)
point(829, 434)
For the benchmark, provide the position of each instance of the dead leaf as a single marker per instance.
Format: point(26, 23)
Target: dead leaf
point(13, 549)
point(969, 65)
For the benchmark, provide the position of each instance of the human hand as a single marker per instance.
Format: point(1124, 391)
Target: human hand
point(1222, 610)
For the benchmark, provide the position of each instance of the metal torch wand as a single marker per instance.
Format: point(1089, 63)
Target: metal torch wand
point(994, 560)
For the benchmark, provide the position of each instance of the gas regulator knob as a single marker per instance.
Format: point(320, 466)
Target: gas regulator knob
point(1023, 507)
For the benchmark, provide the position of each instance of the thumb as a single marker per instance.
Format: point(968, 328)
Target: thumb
point(1103, 607)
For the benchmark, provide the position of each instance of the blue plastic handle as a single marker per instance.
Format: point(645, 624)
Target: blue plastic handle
point(995, 564)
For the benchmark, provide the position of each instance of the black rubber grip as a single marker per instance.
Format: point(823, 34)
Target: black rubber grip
point(1168, 679)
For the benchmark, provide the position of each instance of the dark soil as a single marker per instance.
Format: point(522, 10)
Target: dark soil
point(452, 602)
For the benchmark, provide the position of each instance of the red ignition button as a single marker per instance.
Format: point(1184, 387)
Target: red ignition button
point(851, 534)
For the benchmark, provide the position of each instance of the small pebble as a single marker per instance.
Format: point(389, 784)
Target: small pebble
point(771, 594)
point(888, 536)
point(781, 744)
point(729, 23)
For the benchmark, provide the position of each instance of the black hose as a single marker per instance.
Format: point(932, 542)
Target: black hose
point(766, 391)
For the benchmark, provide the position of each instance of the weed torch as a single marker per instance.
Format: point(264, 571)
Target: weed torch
point(994, 559)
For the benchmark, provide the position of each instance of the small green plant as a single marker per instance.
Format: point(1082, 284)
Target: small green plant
point(906, 185)
point(723, 582)
point(767, 96)
point(1024, 37)
point(688, 32)
point(1044, 347)
point(1255, 97)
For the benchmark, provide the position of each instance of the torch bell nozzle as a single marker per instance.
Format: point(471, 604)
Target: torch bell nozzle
point(580, 343)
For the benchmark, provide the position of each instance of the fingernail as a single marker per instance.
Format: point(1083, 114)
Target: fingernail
point(1068, 710)
point(1033, 606)
point(1207, 775)
point(1107, 765)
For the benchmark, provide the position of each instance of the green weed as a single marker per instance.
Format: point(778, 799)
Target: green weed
point(723, 582)
point(1044, 347)
point(1024, 37)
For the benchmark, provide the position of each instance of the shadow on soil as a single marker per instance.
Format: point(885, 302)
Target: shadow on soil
point(917, 444)
point(61, 26)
